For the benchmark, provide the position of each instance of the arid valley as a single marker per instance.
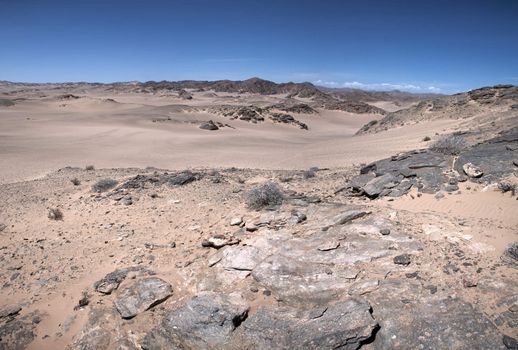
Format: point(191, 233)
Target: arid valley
point(257, 215)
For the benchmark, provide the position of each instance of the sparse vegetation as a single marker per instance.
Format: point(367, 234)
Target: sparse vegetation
point(6, 103)
point(104, 185)
point(75, 181)
point(89, 167)
point(505, 187)
point(450, 145)
point(262, 196)
point(55, 214)
point(427, 138)
point(310, 173)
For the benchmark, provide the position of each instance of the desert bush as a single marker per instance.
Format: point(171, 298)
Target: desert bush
point(427, 138)
point(450, 145)
point(263, 196)
point(310, 173)
point(104, 185)
point(89, 167)
point(505, 187)
point(55, 214)
point(75, 181)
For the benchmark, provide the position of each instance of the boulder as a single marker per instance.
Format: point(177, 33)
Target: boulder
point(472, 170)
point(142, 295)
point(111, 281)
point(207, 321)
point(412, 318)
point(344, 325)
point(209, 126)
point(375, 187)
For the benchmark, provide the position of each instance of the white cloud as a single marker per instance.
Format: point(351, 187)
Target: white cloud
point(378, 86)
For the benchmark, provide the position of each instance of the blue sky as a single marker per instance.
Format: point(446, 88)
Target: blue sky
point(423, 46)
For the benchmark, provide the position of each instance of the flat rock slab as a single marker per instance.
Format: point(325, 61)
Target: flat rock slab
point(344, 325)
point(412, 318)
point(207, 321)
point(142, 295)
point(493, 158)
point(295, 281)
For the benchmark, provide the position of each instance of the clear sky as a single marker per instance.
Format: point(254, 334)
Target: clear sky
point(416, 45)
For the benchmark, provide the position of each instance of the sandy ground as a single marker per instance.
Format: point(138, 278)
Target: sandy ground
point(41, 135)
point(46, 264)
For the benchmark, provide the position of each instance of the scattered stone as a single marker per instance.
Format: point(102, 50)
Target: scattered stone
point(251, 227)
point(142, 295)
point(236, 221)
point(469, 282)
point(84, 301)
point(385, 231)
point(472, 170)
point(297, 217)
point(439, 195)
point(2, 227)
point(411, 274)
point(451, 188)
point(403, 259)
point(329, 246)
point(219, 241)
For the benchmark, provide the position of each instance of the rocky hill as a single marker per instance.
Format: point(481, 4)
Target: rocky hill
point(482, 107)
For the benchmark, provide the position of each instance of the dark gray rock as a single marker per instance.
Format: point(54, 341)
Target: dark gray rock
point(17, 333)
point(492, 157)
point(103, 331)
point(111, 281)
point(10, 310)
point(385, 231)
point(451, 188)
point(142, 295)
point(403, 259)
point(182, 178)
point(345, 218)
point(510, 343)
point(410, 318)
point(207, 321)
point(510, 255)
point(361, 180)
point(374, 187)
point(209, 126)
point(344, 325)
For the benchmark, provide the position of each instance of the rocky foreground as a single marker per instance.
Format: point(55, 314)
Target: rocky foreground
point(202, 259)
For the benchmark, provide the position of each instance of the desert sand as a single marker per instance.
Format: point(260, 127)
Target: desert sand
point(400, 267)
